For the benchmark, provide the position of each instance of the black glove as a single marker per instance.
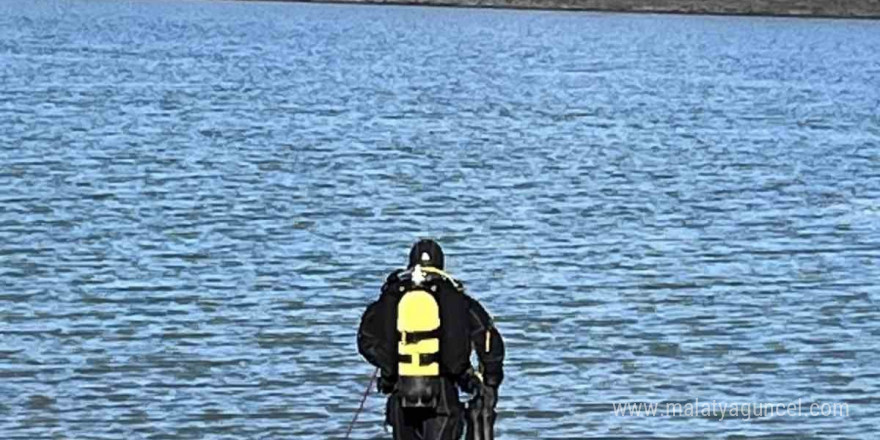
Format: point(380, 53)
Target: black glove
point(386, 383)
point(470, 383)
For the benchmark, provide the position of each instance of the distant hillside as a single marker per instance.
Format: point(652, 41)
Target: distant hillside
point(802, 8)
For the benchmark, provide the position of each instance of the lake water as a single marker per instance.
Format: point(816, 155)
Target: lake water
point(198, 199)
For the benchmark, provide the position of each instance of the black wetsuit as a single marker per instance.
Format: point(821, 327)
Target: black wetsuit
point(465, 325)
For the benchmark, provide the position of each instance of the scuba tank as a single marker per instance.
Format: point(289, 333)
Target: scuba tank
point(418, 348)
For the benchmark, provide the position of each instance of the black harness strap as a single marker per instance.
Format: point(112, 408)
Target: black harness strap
point(415, 337)
point(424, 358)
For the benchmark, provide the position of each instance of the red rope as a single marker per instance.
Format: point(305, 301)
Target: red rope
point(363, 400)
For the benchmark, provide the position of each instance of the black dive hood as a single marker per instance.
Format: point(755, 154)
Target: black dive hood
point(426, 253)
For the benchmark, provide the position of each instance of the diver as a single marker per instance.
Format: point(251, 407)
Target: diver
point(420, 333)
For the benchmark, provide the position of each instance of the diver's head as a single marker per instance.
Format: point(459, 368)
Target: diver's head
point(426, 253)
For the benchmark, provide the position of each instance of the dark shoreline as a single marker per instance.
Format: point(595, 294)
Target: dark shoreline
point(837, 9)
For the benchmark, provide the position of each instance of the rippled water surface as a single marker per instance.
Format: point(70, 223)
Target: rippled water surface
point(197, 200)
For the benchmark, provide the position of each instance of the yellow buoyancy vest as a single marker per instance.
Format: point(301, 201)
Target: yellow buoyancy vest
point(418, 323)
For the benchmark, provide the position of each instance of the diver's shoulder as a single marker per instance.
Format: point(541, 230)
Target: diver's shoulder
point(393, 280)
point(394, 276)
point(457, 284)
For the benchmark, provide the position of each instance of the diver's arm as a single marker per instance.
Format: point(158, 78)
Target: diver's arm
point(371, 338)
point(487, 343)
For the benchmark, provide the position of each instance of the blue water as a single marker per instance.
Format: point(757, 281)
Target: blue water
point(198, 199)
